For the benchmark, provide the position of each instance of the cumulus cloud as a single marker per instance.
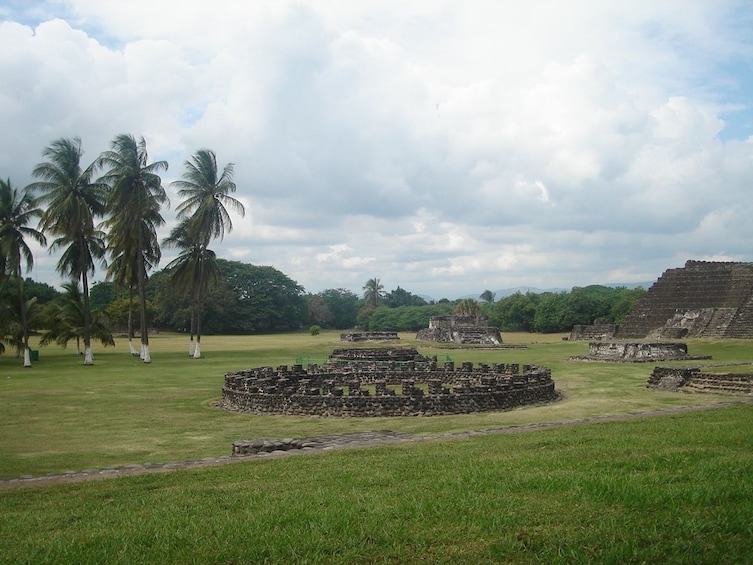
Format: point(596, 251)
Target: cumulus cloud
point(442, 147)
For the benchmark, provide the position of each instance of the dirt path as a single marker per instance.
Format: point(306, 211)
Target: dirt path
point(282, 448)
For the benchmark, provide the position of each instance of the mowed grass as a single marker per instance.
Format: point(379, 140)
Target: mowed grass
point(61, 416)
point(664, 489)
point(675, 488)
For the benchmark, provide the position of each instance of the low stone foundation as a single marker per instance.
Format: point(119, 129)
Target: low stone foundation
point(693, 379)
point(357, 337)
point(594, 332)
point(637, 352)
point(373, 384)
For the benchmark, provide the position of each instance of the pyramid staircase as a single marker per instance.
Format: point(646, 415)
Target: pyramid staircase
point(703, 299)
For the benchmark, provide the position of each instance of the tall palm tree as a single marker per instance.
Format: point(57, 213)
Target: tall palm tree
point(135, 199)
point(73, 201)
point(17, 211)
point(194, 270)
point(373, 292)
point(206, 207)
point(123, 270)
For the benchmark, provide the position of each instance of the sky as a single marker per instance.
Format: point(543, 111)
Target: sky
point(443, 146)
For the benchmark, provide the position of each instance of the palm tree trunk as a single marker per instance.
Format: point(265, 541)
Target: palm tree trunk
point(24, 329)
point(131, 348)
point(145, 357)
point(197, 351)
point(88, 355)
point(192, 325)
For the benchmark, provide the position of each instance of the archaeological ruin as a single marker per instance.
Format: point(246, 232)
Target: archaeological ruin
point(593, 332)
point(702, 299)
point(694, 379)
point(471, 330)
point(637, 352)
point(396, 381)
point(359, 337)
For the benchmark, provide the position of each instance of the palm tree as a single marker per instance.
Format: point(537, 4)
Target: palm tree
point(467, 307)
point(66, 320)
point(17, 210)
point(373, 292)
point(193, 271)
point(487, 296)
point(135, 198)
point(206, 199)
point(123, 271)
point(72, 202)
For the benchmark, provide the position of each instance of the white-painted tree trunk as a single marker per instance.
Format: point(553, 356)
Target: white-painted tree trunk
point(132, 349)
point(88, 356)
point(27, 357)
point(197, 351)
point(191, 347)
point(145, 354)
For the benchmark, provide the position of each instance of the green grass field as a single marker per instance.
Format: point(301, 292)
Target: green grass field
point(676, 488)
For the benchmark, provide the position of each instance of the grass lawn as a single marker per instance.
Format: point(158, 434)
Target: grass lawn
point(674, 488)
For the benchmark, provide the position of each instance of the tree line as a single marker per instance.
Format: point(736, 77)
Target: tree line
point(106, 214)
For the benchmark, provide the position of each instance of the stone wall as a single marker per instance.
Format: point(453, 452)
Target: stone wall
point(357, 337)
point(473, 330)
point(592, 332)
point(702, 299)
point(373, 389)
point(693, 379)
point(636, 352)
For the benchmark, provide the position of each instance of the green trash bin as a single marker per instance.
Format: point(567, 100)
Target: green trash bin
point(35, 354)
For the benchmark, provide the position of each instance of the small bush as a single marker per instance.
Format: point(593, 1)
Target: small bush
point(315, 330)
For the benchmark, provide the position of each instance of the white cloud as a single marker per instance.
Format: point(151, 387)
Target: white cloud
point(437, 146)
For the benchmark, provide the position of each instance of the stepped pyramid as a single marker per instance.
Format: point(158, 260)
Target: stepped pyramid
point(702, 299)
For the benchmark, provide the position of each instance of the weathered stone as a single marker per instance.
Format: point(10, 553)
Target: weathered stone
point(637, 352)
point(356, 337)
point(460, 329)
point(702, 299)
point(424, 388)
point(693, 379)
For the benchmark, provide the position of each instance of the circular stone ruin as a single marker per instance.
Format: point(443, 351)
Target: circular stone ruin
point(372, 382)
point(637, 352)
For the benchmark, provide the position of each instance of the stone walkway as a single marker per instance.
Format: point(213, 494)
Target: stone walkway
point(265, 448)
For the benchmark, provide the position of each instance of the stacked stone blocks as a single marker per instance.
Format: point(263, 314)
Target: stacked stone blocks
point(702, 299)
point(693, 379)
point(411, 388)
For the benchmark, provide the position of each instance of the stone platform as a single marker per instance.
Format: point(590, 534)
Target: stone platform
point(376, 382)
point(637, 352)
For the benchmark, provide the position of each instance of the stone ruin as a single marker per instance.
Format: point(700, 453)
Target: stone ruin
point(693, 379)
point(637, 352)
point(594, 332)
point(376, 382)
point(702, 299)
point(473, 330)
point(358, 337)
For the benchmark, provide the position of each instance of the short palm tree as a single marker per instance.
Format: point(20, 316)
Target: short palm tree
point(73, 202)
point(373, 292)
point(17, 211)
point(205, 211)
point(487, 297)
point(467, 307)
point(66, 320)
point(135, 199)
